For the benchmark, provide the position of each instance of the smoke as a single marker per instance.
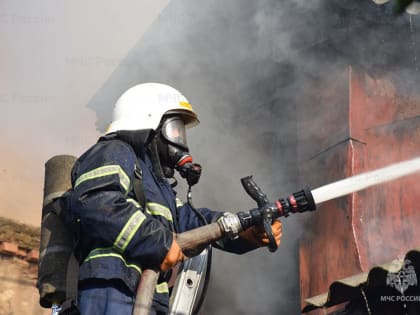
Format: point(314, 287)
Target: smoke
point(245, 66)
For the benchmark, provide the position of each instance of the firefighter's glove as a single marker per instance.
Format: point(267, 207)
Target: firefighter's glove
point(173, 257)
point(256, 235)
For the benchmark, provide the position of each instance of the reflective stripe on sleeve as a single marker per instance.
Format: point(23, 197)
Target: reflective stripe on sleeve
point(157, 209)
point(162, 287)
point(128, 231)
point(108, 252)
point(105, 171)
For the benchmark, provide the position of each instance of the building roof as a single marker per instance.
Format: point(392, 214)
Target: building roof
point(344, 290)
point(19, 240)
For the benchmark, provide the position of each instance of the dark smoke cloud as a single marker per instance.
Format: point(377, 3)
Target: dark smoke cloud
point(245, 66)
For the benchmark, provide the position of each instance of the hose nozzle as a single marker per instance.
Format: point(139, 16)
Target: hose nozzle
point(300, 201)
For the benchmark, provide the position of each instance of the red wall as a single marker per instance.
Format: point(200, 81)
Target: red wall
point(357, 124)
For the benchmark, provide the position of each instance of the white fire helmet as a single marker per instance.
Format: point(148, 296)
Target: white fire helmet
point(143, 106)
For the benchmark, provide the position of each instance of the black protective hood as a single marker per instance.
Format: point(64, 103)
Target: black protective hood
point(138, 139)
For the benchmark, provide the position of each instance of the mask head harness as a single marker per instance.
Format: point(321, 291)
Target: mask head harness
point(173, 150)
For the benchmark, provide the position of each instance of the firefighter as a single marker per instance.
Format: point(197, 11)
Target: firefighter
point(126, 208)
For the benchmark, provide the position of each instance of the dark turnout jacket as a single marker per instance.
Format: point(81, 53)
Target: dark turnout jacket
point(117, 236)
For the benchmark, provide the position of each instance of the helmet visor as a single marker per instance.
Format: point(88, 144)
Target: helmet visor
point(173, 130)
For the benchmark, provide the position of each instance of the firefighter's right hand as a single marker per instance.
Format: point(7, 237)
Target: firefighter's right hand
point(173, 257)
point(257, 236)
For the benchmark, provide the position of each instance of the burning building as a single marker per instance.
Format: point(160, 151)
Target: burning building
point(362, 249)
point(353, 234)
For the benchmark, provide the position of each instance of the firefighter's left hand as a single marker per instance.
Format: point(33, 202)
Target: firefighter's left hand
point(173, 257)
point(256, 234)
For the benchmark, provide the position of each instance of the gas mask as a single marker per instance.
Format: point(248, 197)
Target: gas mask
point(173, 151)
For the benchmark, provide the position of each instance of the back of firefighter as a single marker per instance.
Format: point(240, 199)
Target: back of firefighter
point(126, 208)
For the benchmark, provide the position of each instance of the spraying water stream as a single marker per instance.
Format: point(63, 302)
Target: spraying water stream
point(365, 180)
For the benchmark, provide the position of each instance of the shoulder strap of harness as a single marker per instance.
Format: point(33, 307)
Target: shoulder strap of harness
point(138, 186)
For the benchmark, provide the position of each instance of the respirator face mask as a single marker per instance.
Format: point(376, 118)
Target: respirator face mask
point(174, 153)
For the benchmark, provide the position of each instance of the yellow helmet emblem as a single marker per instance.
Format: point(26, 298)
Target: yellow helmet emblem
point(186, 105)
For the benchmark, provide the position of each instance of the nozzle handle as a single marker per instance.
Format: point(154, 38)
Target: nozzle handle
point(267, 221)
point(254, 191)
